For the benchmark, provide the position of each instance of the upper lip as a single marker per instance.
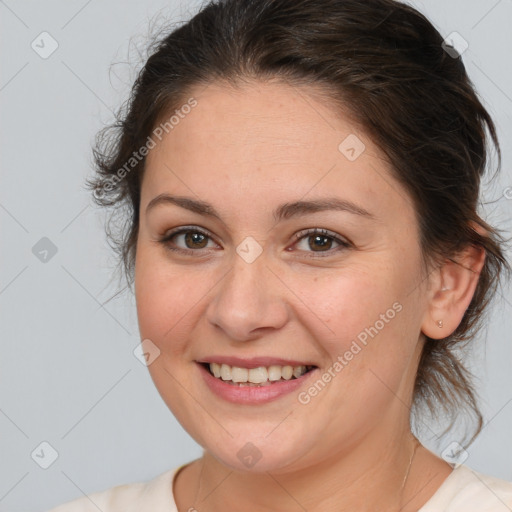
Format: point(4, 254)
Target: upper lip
point(253, 362)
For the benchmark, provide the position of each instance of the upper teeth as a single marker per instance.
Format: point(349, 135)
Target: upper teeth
point(256, 375)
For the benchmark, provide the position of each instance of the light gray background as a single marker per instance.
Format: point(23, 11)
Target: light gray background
point(68, 373)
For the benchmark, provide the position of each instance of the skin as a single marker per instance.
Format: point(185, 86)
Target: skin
point(246, 151)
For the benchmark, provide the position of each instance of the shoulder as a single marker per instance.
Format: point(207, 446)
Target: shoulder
point(155, 495)
point(466, 490)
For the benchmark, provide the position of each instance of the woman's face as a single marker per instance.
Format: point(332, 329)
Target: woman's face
point(237, 287)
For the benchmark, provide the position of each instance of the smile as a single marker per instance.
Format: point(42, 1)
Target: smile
point(260, 376)
point(256, 385)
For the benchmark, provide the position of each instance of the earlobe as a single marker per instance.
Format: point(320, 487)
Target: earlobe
point(454, 285)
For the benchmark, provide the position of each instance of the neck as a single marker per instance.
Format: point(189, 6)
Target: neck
point(373, 475)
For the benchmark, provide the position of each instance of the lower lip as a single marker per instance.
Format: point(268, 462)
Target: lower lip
point(252, 394)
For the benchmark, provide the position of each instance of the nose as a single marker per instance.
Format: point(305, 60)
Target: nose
point(250, 300)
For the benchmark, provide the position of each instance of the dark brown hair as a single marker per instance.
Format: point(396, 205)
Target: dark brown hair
point(383, 62)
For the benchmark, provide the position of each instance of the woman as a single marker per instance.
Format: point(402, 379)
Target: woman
point(303, 181)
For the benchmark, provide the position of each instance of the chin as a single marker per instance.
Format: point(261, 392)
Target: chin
point(255, 454)
point(251, 459)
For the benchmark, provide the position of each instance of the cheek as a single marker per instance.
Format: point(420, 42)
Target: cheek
point(346, 302)
point(368, 328)
point(165, 301)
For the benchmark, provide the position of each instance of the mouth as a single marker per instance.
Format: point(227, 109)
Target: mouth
point(255, 377)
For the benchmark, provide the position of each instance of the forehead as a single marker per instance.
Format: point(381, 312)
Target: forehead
point(270, 139)
point(271, 119)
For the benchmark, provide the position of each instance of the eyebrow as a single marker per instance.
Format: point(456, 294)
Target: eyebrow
point(283, 212)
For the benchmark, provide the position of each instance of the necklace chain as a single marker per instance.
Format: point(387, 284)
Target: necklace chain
point(416, 445)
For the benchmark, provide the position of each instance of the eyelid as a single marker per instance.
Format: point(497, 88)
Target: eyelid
point(320, 231)
point(343, 242)
point(180, 229)
point(185, 229)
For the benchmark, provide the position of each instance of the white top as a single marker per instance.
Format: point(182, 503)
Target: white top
point(464, 490)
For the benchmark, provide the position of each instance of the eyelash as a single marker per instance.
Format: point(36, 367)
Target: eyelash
point(344, 244)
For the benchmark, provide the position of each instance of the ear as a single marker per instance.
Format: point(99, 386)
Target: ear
point(451, 288)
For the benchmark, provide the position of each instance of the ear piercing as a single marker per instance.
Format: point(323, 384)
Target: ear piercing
point(440, 322)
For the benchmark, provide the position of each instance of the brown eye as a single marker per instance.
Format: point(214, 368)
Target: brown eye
point(322, 240)
point(195, 239)
point(192, 240)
